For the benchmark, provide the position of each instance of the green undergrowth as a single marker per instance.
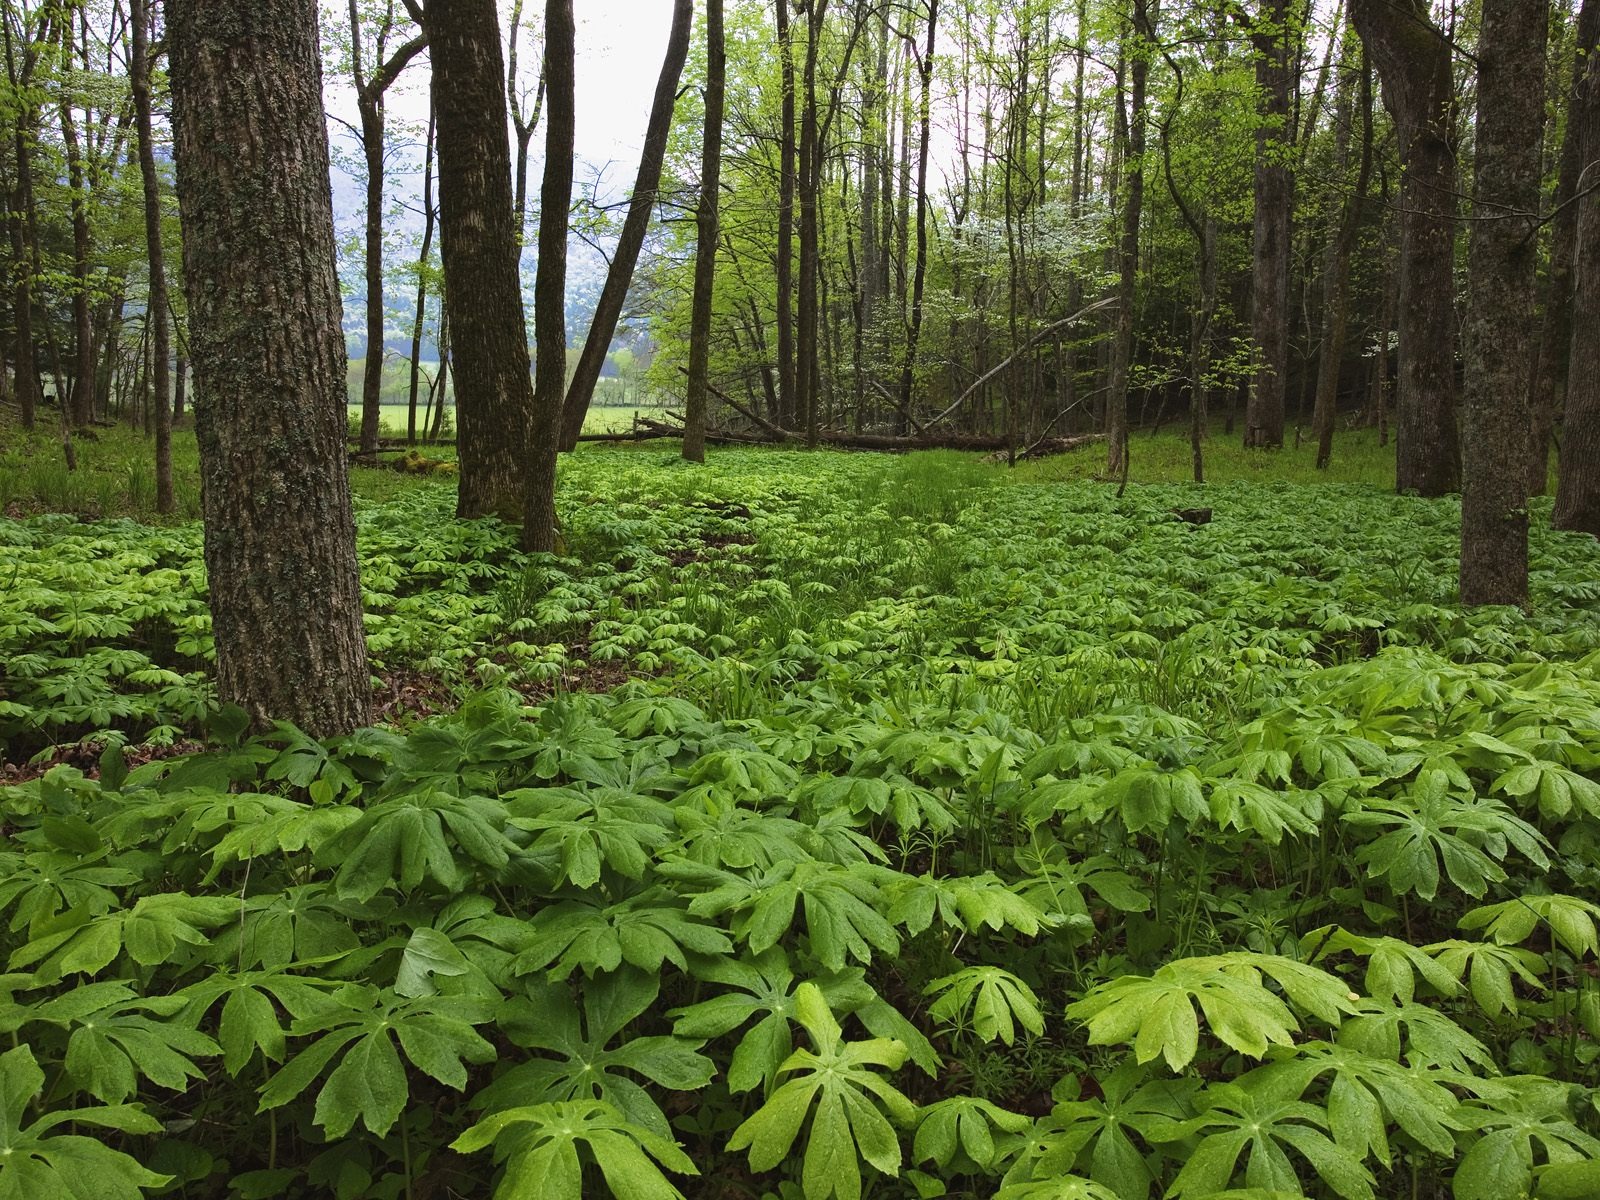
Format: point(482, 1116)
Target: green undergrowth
point(954, 836)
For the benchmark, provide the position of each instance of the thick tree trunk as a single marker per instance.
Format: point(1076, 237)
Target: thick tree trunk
point(1555, 335)
point(483, 293)
point(1413, 60)
point(1578, 492)
point(1502, 272)
point(1274, 194)
point(157, 309)
point(550, 288)
point(788, 412)
point(269, 355)
point(705, 250)
point(646, 186)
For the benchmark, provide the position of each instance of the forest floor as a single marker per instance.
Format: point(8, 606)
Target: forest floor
point(1090, 852)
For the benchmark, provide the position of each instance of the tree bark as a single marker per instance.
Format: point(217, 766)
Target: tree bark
point(919, 276)
point(430, 219)
point(139, 62)
point(483, 291)
point(1502, 272)
point(646, 187)
point(82, 403)
point(807, 186)
point(1132, 119)
point(1555, 335)
point(1274, 196)
point(1578, 491)
point(787, 413)
point(523, 121)
point(1413, 61)
point(550, 288)
point(705, 251)
point(269, 356)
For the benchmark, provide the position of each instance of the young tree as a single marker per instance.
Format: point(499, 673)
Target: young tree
point(550, 288)
point(269, 357)
point(139, 69)
point(370, 88)
point(1274, 200)
point(483, 290)
point(646, 186)
point(1499, 342)
point(1413, 60)
point(1132, 119)
point(705, 260)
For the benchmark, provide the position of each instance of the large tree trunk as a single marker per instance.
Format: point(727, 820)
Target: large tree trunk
point(157, 311)
point(705, 249)
point(1555, 335)
point(646, 185)
point(269, 356)
point(1413, 60)
point(550, 288)
point(1578, 492)
point(1274, 192)
point(483, 293)
point(1502, 272)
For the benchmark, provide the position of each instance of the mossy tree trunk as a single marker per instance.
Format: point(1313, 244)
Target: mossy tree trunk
point(267, 342)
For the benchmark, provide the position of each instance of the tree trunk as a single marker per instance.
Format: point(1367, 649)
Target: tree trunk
point(269, 355)
point(1131, 120)
point(1502, 272)
point(705, 250)
point(1274, 193)
point(430, 217)
point(1578, 491)
point(646, 186)
point(1555, 336)
point(788, 413)
point(524, 122)
point(550, 288)
point(919, 278)
point(483, 291)
point(1413, 60)
point(807, 185)
point(1336, 266)
point(82, 403)
point(157, 308)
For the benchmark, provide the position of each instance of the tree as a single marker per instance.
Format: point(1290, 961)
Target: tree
point(1131, 121)
point(550, 288)
point(479, 241)
point(139, 69)
point(1274, 194)
point(705, 260)
point(370, 88)
point(646, 187)
point(1413, 61)
point(1578, 493)
point(1499, 342)
point(267, 343)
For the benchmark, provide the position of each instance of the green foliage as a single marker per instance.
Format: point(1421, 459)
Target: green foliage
point(978, 838)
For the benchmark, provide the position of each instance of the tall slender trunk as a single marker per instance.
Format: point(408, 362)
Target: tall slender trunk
point(430, 216)
point(705, 250)
point(82, 402)
point(1274, 192)
point(806, 368)
point(550, 288)
point(1502, 273)
point(1336, 265)
point(788, 411)
point(523, 121)
point(157, 309)
point(1132, 120)
point(1578, 492)
point(646, 186)
point(924, 63)
point(1555, 335)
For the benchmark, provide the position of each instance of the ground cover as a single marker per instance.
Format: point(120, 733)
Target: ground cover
point(951, 834)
